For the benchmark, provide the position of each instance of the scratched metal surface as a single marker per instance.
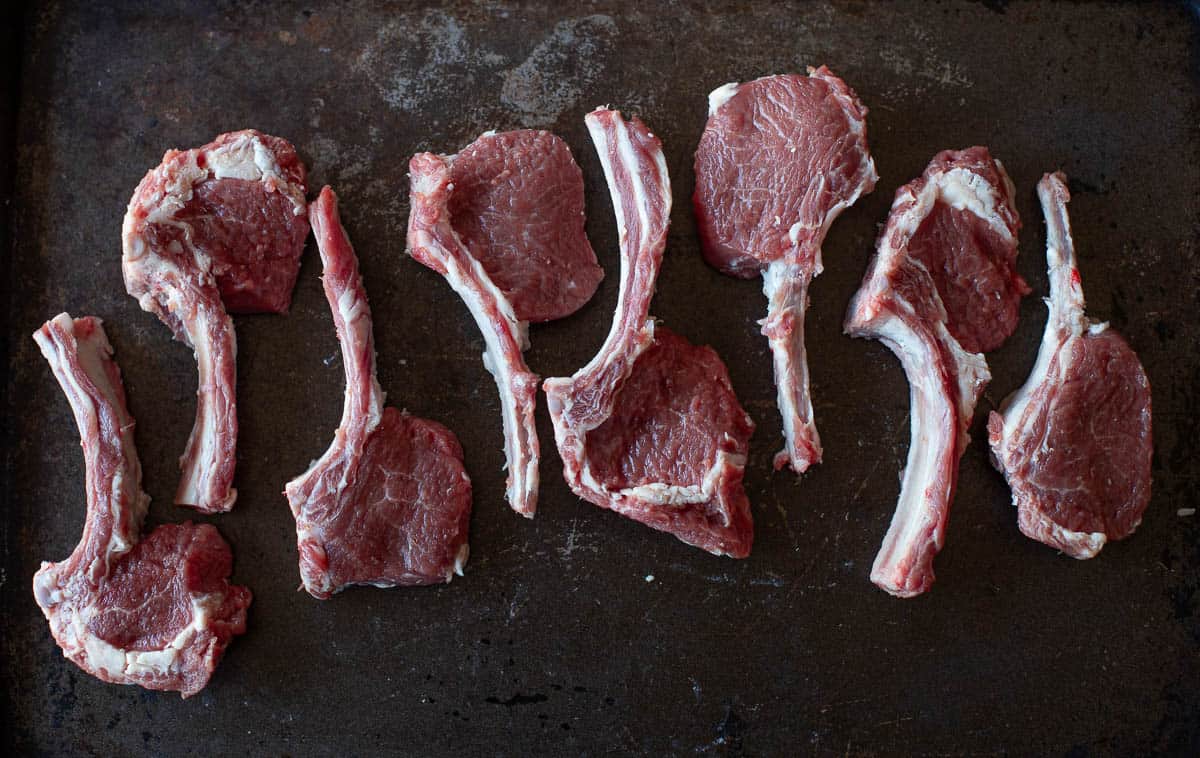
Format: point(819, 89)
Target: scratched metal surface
point(580, 632)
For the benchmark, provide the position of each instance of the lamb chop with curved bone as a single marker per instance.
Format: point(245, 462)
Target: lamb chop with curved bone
point(941, 290)
point(1075, 441)
point(389, 502)
point(502, 222)
point(651, 427)
point(212, 231)
point(156, 611)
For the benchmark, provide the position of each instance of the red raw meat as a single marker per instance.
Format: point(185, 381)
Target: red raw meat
point(651, 427)
point(780, 158)
point(502, 221)
point(517, 205)
point(1075, 441)
point(389, 502)
point(221, 227)
point(942, 286)
point(157, 612)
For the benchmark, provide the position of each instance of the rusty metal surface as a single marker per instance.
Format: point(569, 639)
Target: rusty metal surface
point(581, 632)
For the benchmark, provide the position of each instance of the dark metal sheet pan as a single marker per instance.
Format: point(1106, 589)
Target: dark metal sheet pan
point(557, 641)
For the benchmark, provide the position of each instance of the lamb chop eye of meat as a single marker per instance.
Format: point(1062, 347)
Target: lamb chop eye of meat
point(942, 287)
point(156, 611)
point(502, 221)
point(651, 427)
point(517, 205)
point(210, 231)
point(1075, 441)
point(780, 158)
point(662, 426)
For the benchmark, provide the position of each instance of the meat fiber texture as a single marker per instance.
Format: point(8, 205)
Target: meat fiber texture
point(214, 230)
point(651, 427)
point(158, 612)
point(389, 502)
point(780, 158)
point(1075, 441)
point(503, 222)
point(941, 289)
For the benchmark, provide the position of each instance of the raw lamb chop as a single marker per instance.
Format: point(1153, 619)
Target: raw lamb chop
point(941, 290)
point(651, 428)
point(1075, 441)
point(389, 502)
point(156, 613)
point(502, 221)
point(780, 158)
point(217, 228)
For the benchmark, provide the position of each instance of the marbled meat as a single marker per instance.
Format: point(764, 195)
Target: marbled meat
point(1075, 441)
point(651, 427)
point(389, 502)
point(210, 231)
point(159, 611)
point(941, 289)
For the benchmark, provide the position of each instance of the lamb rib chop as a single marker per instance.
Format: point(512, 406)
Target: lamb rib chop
point(651, 427)
point(389, 502)
point(502, 222)
point(941, 290)
point(780, 158)
point(157, 612)
point(1075, 441)
point(214, 230)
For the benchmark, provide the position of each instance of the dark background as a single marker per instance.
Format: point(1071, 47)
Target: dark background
point(556, 642)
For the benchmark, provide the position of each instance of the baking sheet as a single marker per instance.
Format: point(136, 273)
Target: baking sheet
point(581, 632)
